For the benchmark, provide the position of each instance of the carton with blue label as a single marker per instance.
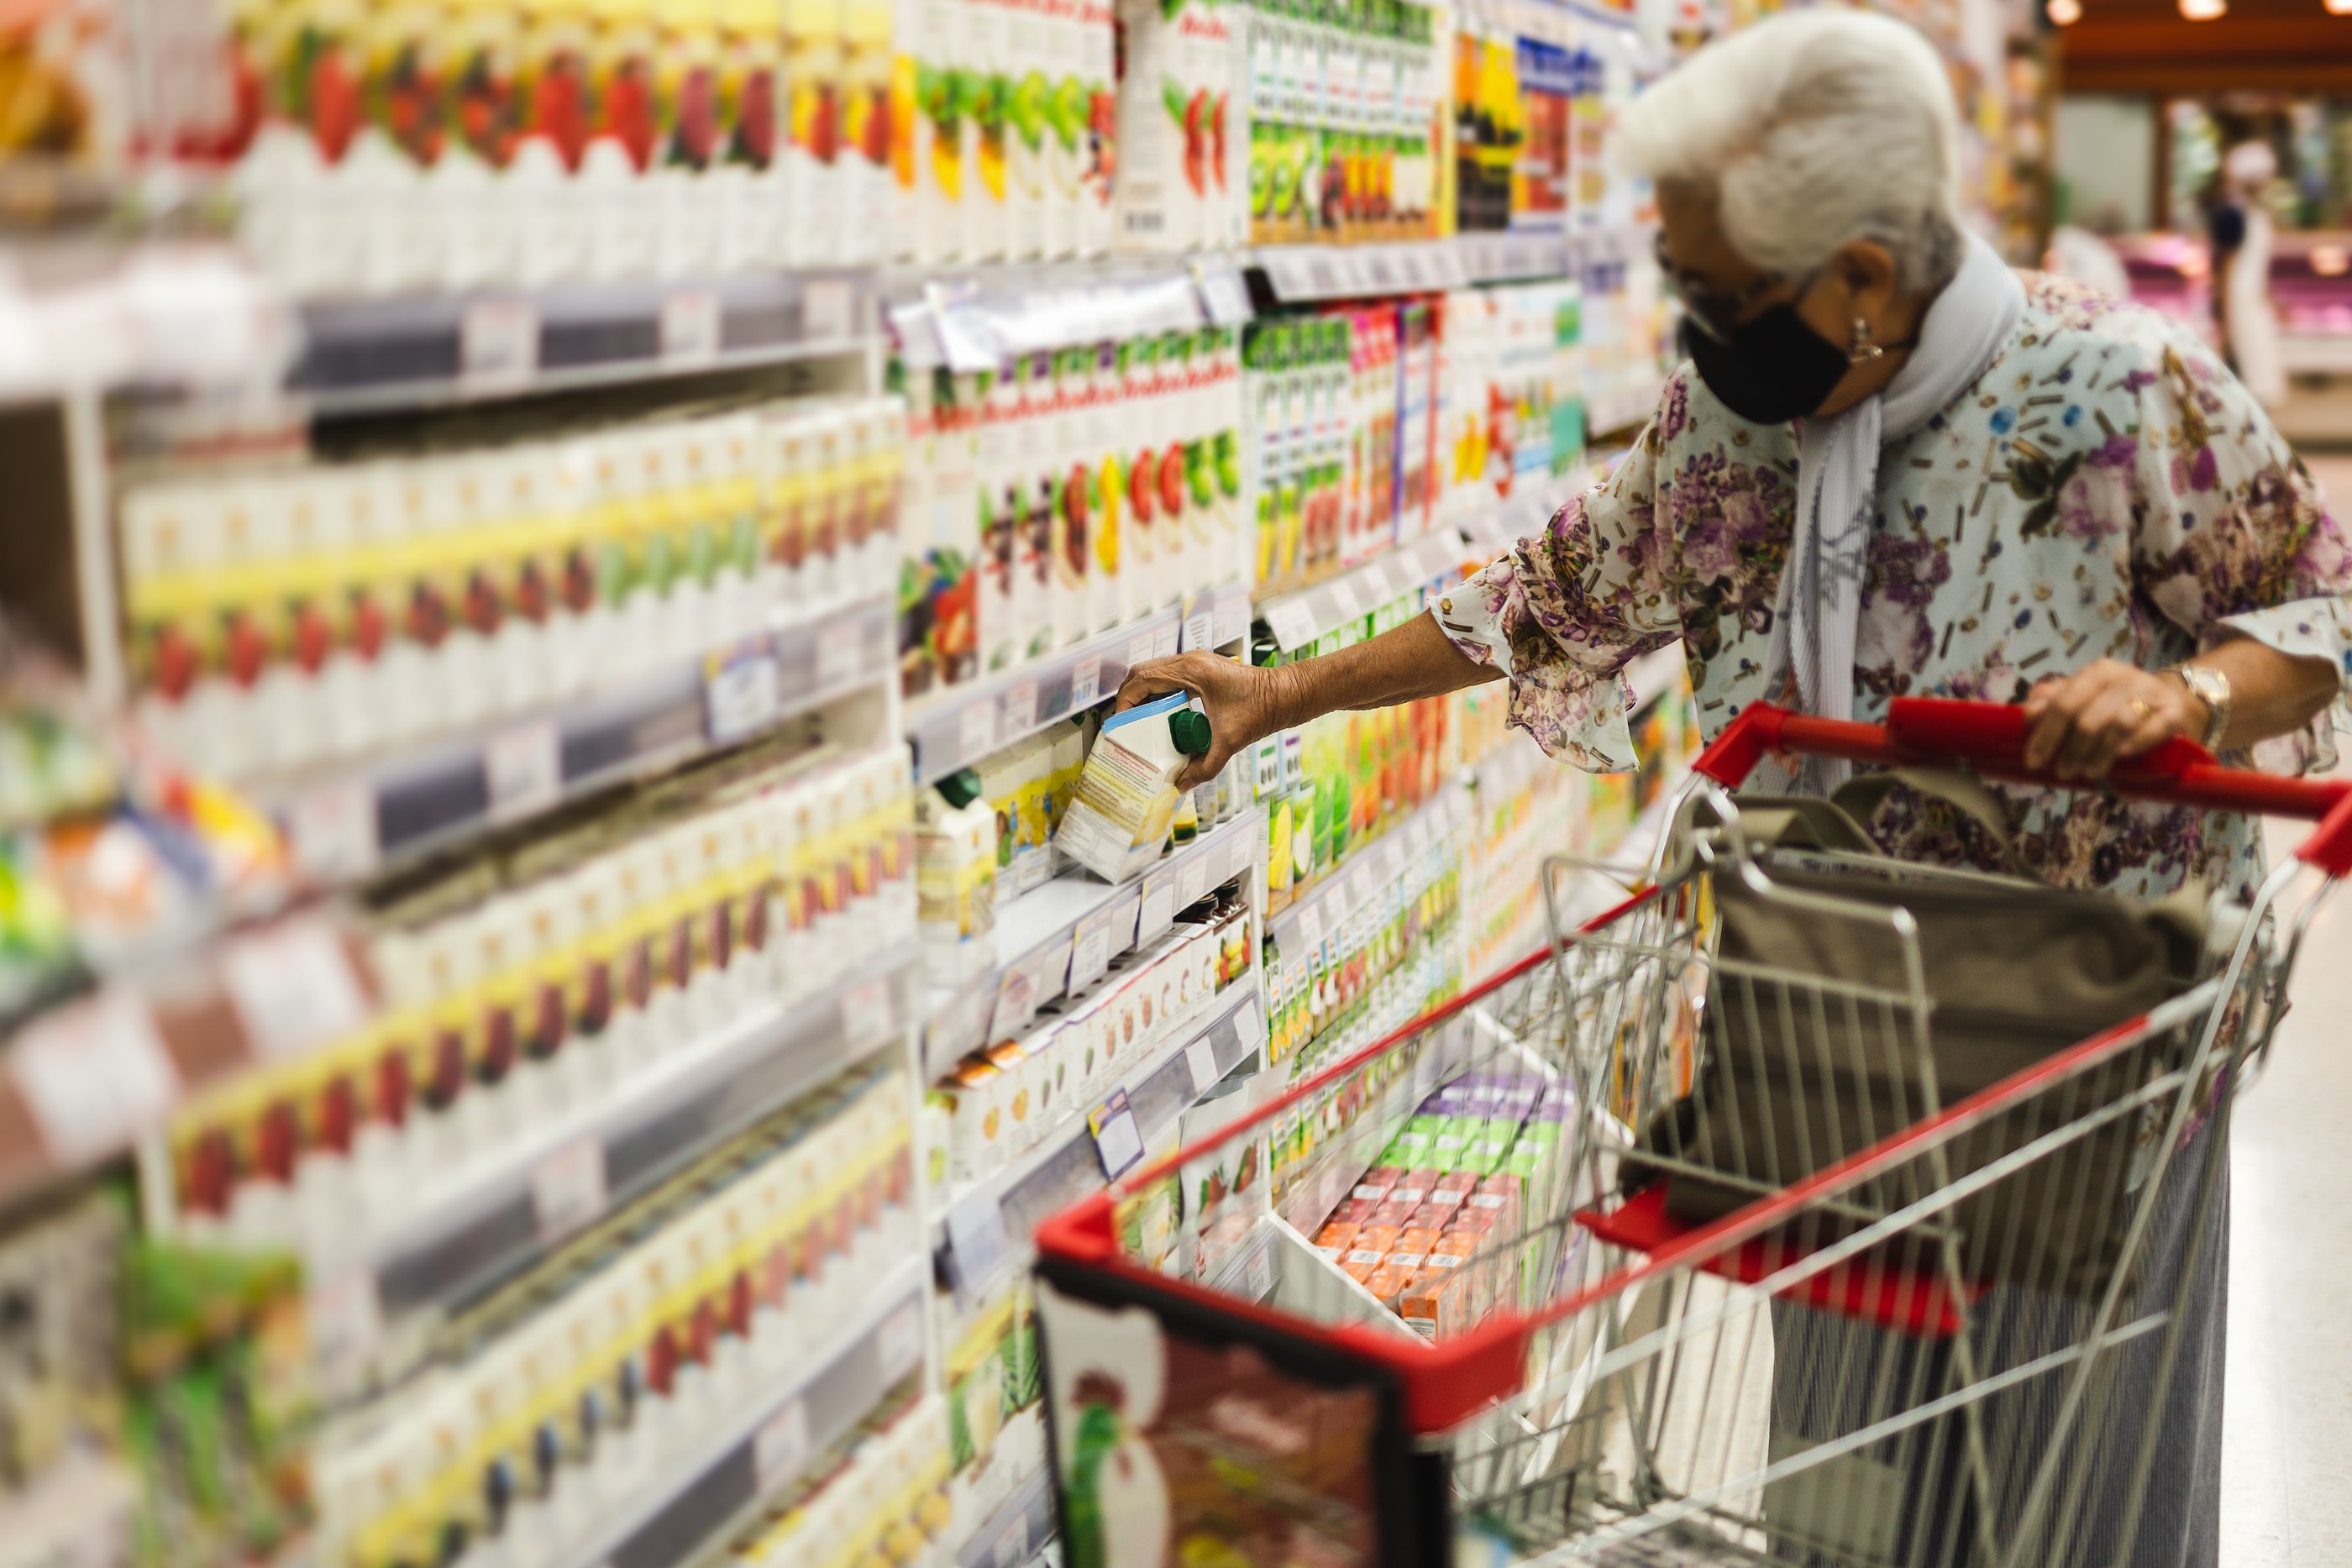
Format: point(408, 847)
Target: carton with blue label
point(1126, 804)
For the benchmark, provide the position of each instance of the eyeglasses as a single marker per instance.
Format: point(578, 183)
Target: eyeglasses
point(1715, 310)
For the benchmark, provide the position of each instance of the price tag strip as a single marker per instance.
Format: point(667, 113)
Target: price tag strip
point(1118, 1142)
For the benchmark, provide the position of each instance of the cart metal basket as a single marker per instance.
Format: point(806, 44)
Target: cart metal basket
point(1519, 1354)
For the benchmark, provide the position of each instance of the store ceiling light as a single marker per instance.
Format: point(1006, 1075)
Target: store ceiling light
point(2339, 7)
point(2203, 10)
point(2066, 12)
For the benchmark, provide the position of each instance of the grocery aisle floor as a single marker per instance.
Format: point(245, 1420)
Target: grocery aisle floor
point(2287, 1421)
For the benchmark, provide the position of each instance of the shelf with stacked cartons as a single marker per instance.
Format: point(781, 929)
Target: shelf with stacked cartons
point(518, 529)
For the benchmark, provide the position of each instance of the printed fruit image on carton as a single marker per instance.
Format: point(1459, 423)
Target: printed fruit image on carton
point(946, 98)
point(1191, 115)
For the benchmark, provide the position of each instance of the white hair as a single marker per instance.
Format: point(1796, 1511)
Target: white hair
point(1811, 129)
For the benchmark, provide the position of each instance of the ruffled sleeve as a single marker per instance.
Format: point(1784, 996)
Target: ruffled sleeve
point(2234, 537)
point(1565, 609)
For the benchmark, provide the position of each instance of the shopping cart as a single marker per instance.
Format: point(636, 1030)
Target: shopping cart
point(1884, 1358)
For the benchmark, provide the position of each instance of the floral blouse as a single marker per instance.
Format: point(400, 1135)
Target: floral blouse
point(2106, 488)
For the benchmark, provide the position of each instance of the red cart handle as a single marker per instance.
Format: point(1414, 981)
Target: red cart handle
point(1988, 739)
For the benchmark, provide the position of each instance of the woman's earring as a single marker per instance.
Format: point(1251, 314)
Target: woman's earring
point(1861, 351)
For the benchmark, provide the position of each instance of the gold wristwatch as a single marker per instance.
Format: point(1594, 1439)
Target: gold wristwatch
point(2211, 687)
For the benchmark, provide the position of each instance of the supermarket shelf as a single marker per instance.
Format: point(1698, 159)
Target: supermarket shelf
point(1370, 867)
point(956, 727)
point(84, 1081)
point(1058, 938)
point(1249, 1274)
point(362, 355)
point(1298, 619)
point(977, 317)
point(482, 1220)
point(1499, 527)
point(767, 1441)
point(986, 1224)
point(1017, 1532)
point(349, 823)
point(1305, 273)
point(1341, 1159)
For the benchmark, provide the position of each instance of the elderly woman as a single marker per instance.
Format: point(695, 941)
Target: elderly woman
point(1889, 467)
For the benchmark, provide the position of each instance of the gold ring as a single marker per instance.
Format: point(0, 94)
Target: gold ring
point(2142, 707)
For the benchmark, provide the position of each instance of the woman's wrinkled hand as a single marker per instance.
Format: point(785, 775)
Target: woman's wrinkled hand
point(2080, 726)
point(1240, 700)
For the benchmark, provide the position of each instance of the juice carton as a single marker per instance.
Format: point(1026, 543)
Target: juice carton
point(747, 175)
point(871, 124)
point(991, 237)
point(1028, 73)
point(616, 172)
point(816, 172)
point(552, 86)
point(477, 235)
point(686, 85)
point(1125, 796)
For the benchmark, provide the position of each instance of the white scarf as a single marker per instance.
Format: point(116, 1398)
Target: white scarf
point(1820, 610)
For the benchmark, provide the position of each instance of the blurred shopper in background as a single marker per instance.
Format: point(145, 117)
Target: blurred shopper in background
point(2238, 226)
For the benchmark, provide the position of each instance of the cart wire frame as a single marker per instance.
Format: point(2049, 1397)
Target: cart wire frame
point(1607, 1406)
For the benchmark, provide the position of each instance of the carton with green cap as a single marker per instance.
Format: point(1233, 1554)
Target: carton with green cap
point(1126, 795)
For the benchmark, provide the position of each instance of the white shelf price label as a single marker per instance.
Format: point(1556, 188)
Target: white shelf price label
point(94, 1074)
point(690, 327)
point(1090, 955)
point(1250, 1024)
point(567, 1189)
point(867, 1013)
point(1257, 1274)
point(741, 695)
point(1200, 630)
point(900, 1343)
point(978, 1242)
point(828, 309)
point(1165, 639)
point(1011, 1543)
point(292, 988)
point(1017, 711)
point(525, 769)
point(780, 1446)
point(1239, 856)
point(1310, 922)
point(1118, 1142)
point(1292, 623)
point(1191, 882)
point(1139, 649)
point(498, 345)
point(1201, 1061)
point(976, 731)
point(334, 832)
point(1158, 910)
point(840, 654)
point(1343, 594)
point(1086, 683)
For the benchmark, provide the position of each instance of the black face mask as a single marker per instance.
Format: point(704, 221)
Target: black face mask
point(1768, 371)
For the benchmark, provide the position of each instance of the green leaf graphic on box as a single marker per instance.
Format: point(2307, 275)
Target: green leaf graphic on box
point(1066, 112)
point(1174, 99)
point(1028, 110)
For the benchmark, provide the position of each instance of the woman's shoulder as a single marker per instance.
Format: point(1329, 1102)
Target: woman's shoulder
point(2064, 319)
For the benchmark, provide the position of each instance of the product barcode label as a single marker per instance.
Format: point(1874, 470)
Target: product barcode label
point(1086, 683)
point(94, 1074)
